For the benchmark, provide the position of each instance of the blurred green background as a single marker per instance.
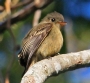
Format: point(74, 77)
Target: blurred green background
point(76, 38)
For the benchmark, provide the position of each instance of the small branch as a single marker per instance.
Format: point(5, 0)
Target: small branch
point(8, 26)
point(40, 71)
point(13, 56)
point(36, 17)
point(8, 6)
point(22, 3)
point(42, 3)
point(17, 5)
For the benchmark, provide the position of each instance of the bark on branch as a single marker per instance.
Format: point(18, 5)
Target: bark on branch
point(40, 71)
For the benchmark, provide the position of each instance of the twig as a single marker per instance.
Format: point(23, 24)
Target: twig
point(13, 56)
point(8, 26)
point(19, 4)
point(40, 71)
point(22, 3)
point(36, 17)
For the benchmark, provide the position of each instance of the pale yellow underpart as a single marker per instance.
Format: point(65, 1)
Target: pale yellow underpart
point(50, 46)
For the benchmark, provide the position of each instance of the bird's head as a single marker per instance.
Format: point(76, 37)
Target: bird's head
point(55, 18)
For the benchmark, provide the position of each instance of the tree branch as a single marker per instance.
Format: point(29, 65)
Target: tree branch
point(40, 71)
point(22, 13)
point(36, 18)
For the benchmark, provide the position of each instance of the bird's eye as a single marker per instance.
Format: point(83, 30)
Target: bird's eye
point(53, 19)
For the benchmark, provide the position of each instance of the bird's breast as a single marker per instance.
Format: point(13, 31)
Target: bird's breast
point(52, 43)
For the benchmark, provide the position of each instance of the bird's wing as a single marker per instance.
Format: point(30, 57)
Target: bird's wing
point(33, 40)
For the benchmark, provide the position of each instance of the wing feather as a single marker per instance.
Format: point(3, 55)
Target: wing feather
point(32, 41)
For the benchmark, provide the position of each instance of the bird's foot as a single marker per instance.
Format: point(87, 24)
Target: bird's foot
point(49, 57)
point(58, 53)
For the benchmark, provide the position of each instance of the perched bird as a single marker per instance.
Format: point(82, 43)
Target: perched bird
point(42, 41)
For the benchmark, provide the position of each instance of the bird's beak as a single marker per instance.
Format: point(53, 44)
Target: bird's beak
point(62, 23)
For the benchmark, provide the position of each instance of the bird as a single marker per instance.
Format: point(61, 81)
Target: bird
point(42, 41)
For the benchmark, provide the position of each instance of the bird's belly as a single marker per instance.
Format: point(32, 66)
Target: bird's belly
point(51, 45)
